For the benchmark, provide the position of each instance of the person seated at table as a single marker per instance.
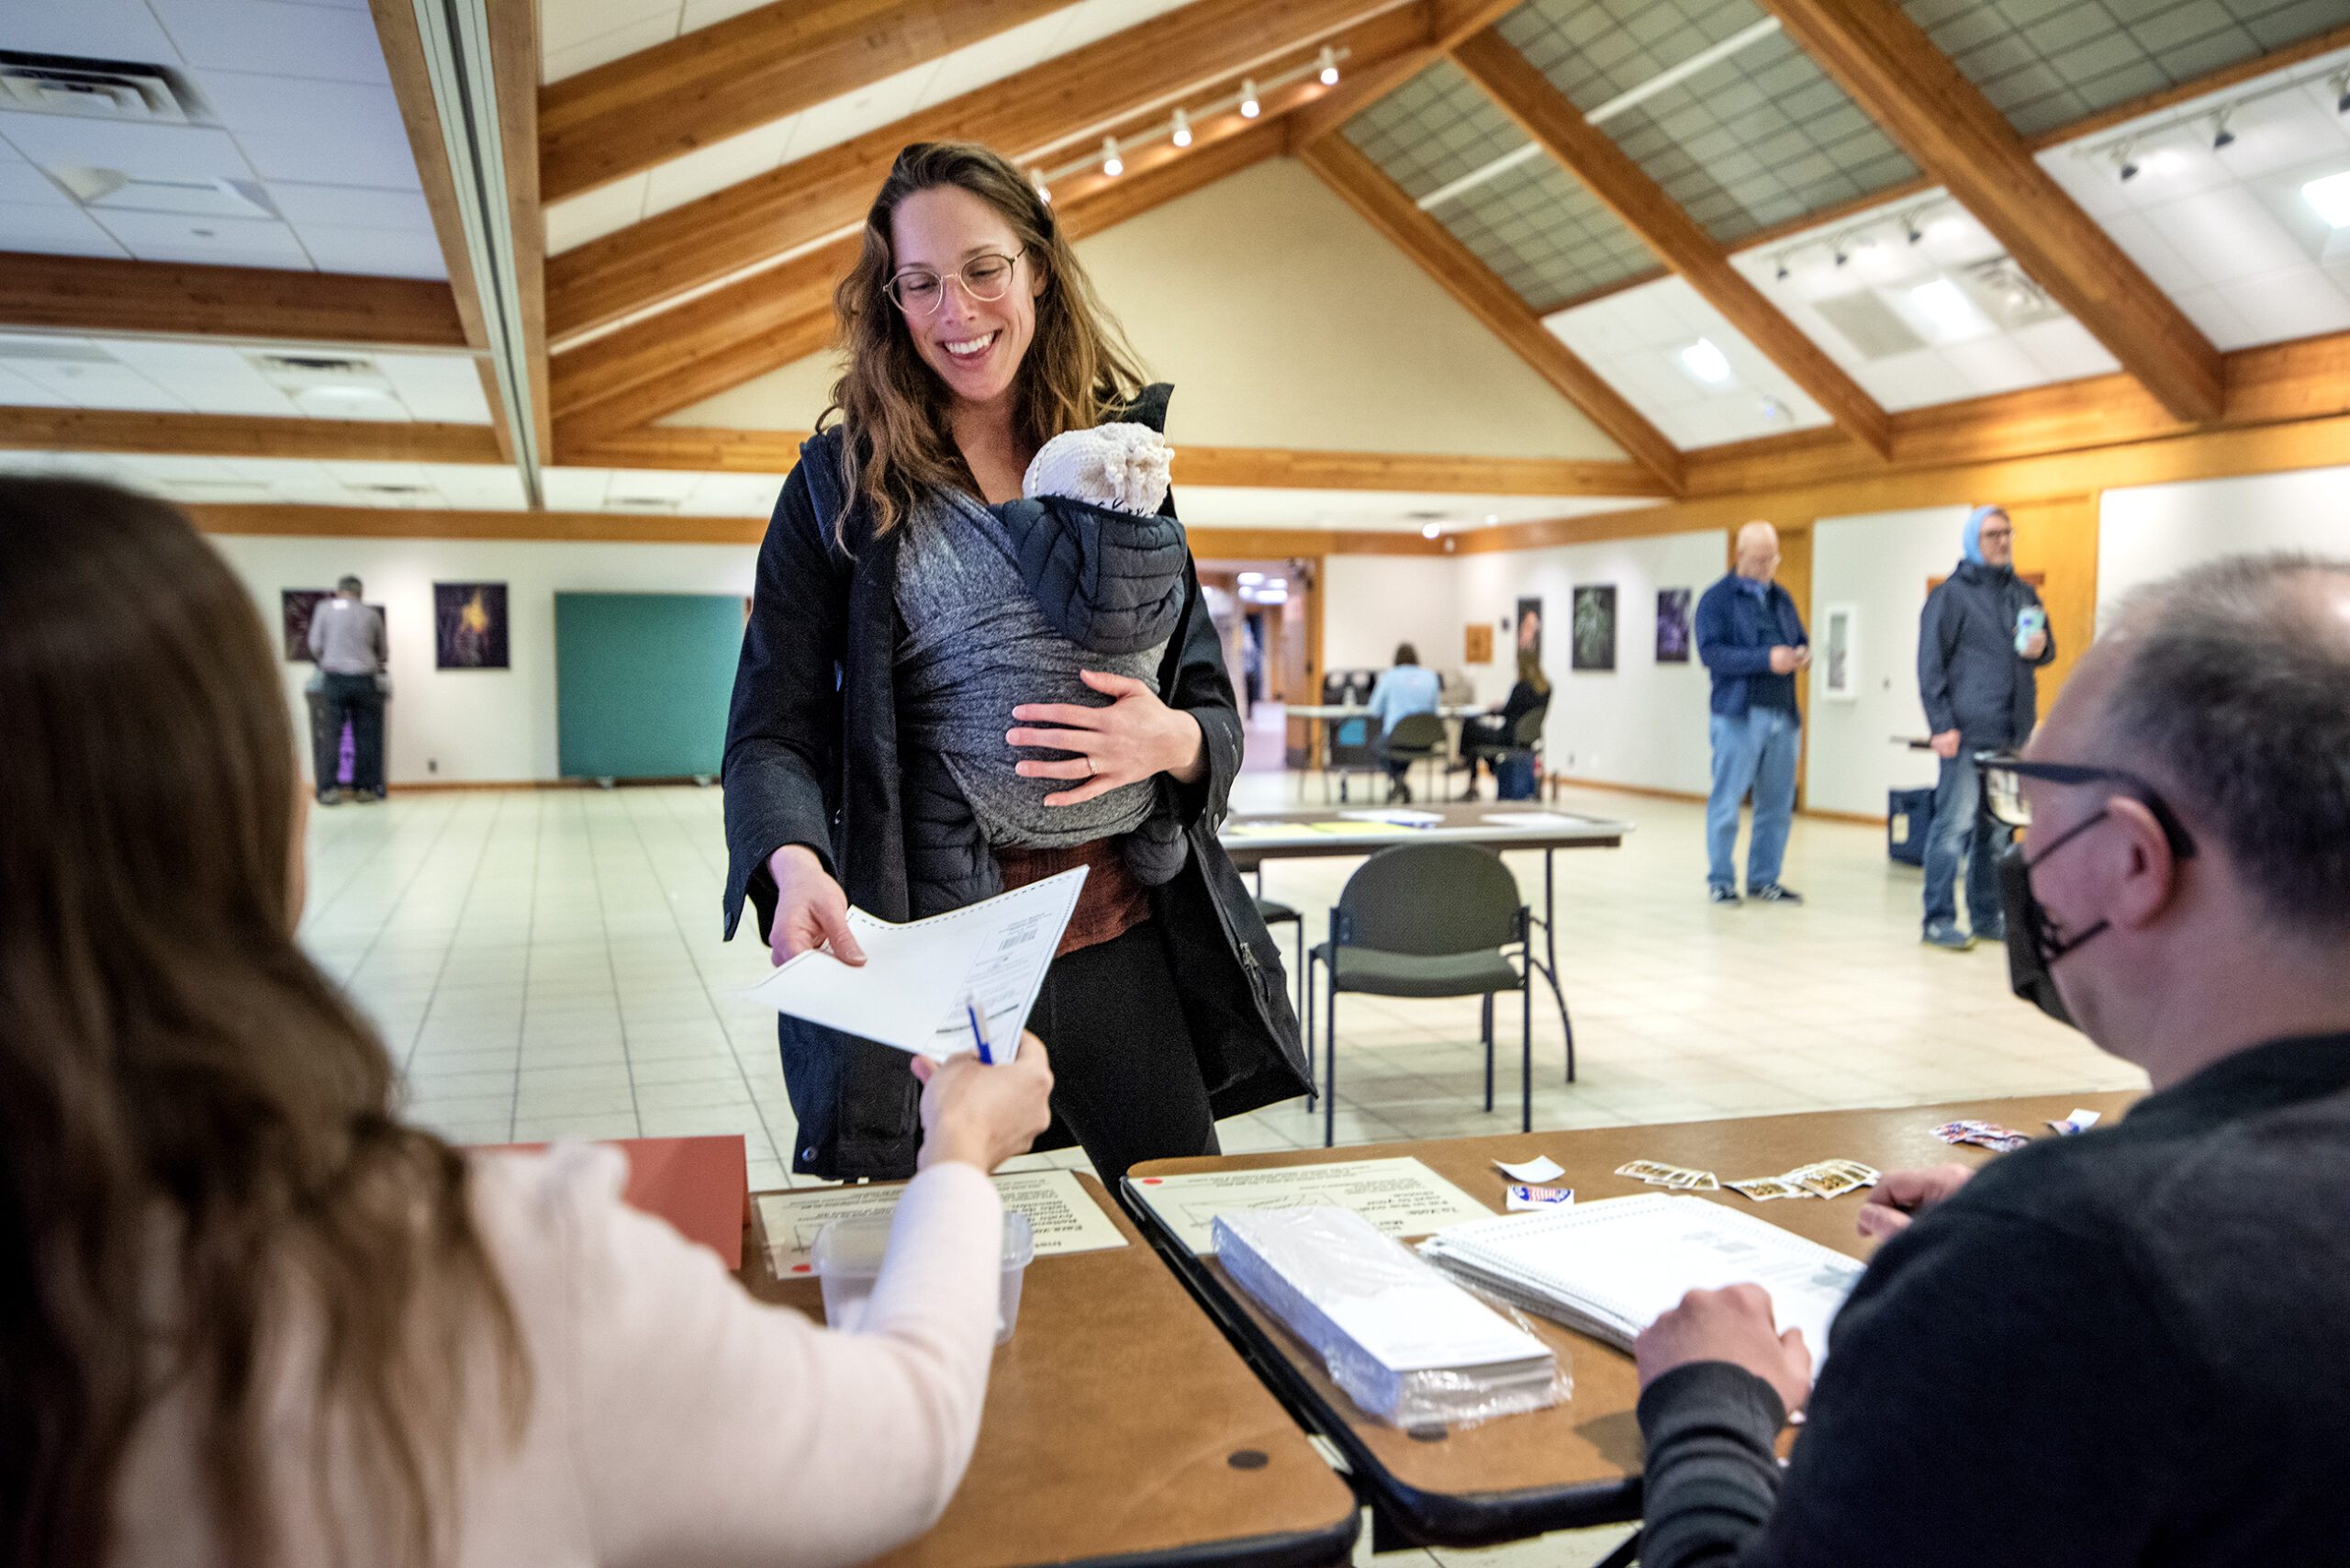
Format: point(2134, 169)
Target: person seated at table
point(1484, 739)
point(250, 1316)
point(2130, 1346)
point(1409, 687)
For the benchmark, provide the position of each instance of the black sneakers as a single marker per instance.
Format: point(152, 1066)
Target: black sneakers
point(1774, 892)
point(1721, 894)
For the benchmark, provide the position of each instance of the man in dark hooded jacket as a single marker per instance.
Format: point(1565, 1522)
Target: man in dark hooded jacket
point(1983, 635)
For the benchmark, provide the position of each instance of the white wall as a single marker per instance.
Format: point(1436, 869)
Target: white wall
point(1372, 603)
point(2150, 532)
point(477, 725)
point(1640, 723)
point(1880, 562)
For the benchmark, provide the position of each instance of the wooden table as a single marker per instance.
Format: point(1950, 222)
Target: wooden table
point(1464, 821)
point(1578, 1462)
point(1120, 1426)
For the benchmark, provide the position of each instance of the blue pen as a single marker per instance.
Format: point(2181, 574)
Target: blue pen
point(978, 1032)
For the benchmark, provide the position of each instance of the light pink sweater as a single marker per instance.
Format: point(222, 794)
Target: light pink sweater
point(675, 1420)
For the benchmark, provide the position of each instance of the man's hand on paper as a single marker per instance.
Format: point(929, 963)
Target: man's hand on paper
point(980, 1114)
point(1898, 1195)
point(1733, 1325)
point(1129, 739)
point(810, 908)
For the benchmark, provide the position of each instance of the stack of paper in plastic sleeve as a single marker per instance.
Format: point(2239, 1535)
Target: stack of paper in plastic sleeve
point(1612, 1268)
point(1403, 1342)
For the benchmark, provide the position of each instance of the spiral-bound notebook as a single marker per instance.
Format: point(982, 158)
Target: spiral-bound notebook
point(1611, 1267)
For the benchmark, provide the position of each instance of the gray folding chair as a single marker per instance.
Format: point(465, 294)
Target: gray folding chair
point(1427, 919)
point(1416, 737)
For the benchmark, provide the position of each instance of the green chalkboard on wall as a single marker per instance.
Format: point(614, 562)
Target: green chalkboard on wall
point(641, 681)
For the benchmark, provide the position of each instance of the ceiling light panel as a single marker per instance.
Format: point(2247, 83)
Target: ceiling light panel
point(1646, 342)
point(1546, 236)
point(1940, 318)
point(2046, 63)
point(2228, 231)
point(1753, 140)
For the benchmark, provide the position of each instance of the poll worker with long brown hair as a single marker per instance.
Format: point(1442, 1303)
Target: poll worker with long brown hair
point(977, 656)
point(247, 1314)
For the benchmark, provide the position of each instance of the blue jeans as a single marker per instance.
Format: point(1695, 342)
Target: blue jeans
point(1961, 829)
point(1759, 750)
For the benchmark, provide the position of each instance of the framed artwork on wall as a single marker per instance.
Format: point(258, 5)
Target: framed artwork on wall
point(1840, 652)
point(1529, 627)
point(295, 608)
point(1478, 645)
point(1673, 626)
point(1594, 632)
point(469, 626)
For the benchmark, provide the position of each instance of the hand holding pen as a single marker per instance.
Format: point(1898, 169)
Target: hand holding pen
point(982, 1114)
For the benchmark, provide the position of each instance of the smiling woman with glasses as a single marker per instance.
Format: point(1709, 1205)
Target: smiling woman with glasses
point(977, 657)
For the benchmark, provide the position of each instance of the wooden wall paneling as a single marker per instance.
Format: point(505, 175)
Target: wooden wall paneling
point(1368, 191)
point(514, 62)
point(1893, 71)
point(99, 293)
point(1086, 92)
point(1551, 119)
point(2057, 536)
point(703, 87)
point(244, 435)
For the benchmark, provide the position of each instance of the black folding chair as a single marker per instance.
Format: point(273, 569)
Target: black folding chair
point(1429, 920)
point(1416, 737)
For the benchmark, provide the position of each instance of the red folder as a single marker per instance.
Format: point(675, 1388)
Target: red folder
point(700, 1185)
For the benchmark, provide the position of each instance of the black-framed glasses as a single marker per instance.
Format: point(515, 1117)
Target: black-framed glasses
point(986, 279)
point(2004, 799)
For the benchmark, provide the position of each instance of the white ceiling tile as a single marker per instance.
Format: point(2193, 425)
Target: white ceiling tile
point(2065, 350)
point(275, 39)
point(2214, 313)
point(649, 483)
point(444, 389)
point(147, 151)
point(702, 13)
point(21, 185)
point(575, 489)
point(718, 165)
point(218, 241)
point(111, 30)
point(1917, 379)
point(357, 154)
point(1994, 364)
point(106, 385)
point(351, 205)
point(835, 120)
point(56, 231)
point(478, 486)
point(567, 24)
point(23, 392)
point(604, 48)
point(991, 60)
point(2136, 233)
point(354, 473)
point(2299, 302)
point(2226, 235)
point(607, 211)
point(209, 378)
point(378, 253)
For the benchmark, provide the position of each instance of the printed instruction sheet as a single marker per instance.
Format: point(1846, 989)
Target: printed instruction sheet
point(1061, 1213)
point(912, 989)
point(1399, 1197)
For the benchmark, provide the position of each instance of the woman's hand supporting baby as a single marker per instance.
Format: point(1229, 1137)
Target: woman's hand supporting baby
point(1132, 738)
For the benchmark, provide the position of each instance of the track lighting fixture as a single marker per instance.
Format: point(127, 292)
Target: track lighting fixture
point(1329, 63)
point(1249, 108)
point(1112, 164)
point(1183, 137)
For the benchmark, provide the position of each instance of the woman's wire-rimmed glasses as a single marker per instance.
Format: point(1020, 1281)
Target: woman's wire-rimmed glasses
point(917, 291)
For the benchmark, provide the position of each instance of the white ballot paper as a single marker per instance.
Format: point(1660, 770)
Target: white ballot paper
point(1531, 820)
point(1539, 1170)
point(918, 978)
point(1061, 1213)
point(1399, 1197)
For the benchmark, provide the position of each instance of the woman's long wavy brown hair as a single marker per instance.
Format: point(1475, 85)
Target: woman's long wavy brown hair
point(197, 1138)
point(1077, 369)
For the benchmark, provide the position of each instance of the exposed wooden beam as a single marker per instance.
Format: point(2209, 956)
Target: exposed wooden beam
point(1057, 105)
point(702, 449)
point(1893, 71)
point(242, 435)
point(630, 377)
point(1454, 266)
point(101, 294)
point(406, 522)
point(1550, 117)
point(747, 71)
point(412, 89)
point(1294, 543)
point(514, 64)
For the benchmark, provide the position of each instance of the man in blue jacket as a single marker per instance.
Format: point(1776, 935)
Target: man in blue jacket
point(1981, 637)
point(1752, 639)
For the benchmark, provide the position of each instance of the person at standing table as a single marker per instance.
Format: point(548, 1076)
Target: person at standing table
point(935, 702)
point(1981, 639)
point(275, 1323)
point(347, 639)
point(1751, 641)
point(1404, 689)
point(1483, 739)
point(2130, 1346)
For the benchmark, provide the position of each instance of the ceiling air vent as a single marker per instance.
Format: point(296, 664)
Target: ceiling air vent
point(641, 503)
point(99, 89)
point(1869, 325)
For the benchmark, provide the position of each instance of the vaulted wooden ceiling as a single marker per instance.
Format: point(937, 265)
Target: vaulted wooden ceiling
point(1779, 139)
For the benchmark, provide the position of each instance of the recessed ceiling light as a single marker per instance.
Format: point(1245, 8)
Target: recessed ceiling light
point(1429, 531)
point(1706, 362)
point(2331, 196)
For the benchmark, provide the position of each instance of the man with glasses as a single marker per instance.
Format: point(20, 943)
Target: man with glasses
point(2132, 1346)
point(1751, 641)
point(1980, 639)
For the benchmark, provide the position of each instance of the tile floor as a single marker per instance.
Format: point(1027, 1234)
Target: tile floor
point(547, 962)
